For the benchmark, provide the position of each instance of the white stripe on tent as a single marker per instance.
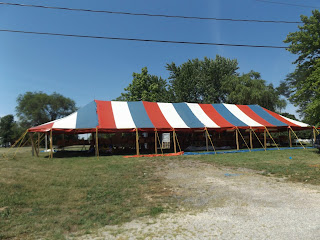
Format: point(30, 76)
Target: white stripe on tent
point(171, 115)
point(202, 116)
point(68, 122)
point(241, 115)
point(122, 115)
point(301, 124)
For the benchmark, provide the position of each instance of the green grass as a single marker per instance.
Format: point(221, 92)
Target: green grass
point(304, 165)
point(49, 198)
point(52, 197)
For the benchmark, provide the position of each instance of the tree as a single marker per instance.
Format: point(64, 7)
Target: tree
point(303, 84)
point(6, 129)
point(201, 80)
point(35, 108)
point(249, 88)
point(146, 87)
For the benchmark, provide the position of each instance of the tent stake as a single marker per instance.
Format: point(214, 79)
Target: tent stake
point(137, 142)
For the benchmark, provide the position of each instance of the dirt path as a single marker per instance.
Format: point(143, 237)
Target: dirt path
point(227, 204)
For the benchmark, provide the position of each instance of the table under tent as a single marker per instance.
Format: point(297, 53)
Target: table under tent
point(139, 128)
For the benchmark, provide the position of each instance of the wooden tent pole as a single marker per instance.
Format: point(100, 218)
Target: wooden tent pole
point(155, 142)
point(251, 145)
point(51, 144)
point(32, 144)
point(243, 139)
point(207, 142)
point(258, 138)
point(174, 141)
point(211, 141)
point(296, 137)
point(97, 143)
point(38, 143)
point(265, 138)
point(237, 139)
point(137, 142)
point(290, 141)
point(271, 137)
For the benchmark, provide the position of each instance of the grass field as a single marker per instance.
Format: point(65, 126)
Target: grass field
point(49, 198)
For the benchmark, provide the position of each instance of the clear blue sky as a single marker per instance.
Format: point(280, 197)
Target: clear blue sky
point(87, 69)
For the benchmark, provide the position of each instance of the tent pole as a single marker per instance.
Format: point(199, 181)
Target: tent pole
point(97, 143)
point(211, 141)
point(297, 137)
point(38, 143)
point(243, 139)
point(174, 141)
point(32, 144)
point(51, 144)
point(207, 143)
point(137, 142)
point(290, 141)
point(251, 145)
point(271, 137)
point(237, 139)
point(46, 141)
point(257, 138)
point(265, 138)
point(155, 142)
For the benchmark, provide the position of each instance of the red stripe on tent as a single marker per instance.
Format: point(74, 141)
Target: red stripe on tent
point(105, 114)
point(277, 116)
point(248, 111)
point(156, 116)
point(215, 116)
point(41, 128)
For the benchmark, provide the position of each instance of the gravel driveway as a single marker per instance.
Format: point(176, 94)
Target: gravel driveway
point(227, 204)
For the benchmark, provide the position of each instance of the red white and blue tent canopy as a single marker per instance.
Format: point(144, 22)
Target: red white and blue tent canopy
point(113, 116)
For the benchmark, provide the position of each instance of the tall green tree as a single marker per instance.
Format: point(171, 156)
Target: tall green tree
point(36, 108)
point(249, 88)
point(201, 80)
point(7, 129)
point(303, 84)
point(146, 87)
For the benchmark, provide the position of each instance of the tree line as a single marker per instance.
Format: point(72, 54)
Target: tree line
point(204, 81)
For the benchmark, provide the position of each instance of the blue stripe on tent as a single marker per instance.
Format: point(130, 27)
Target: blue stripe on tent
point(187, 115)
point(226, 114)
point(87, 116)
point(139, 115)
point(266, 116)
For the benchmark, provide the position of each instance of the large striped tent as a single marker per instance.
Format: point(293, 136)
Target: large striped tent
point(117, 116)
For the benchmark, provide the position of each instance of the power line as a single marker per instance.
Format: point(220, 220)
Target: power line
point(148, 14)
point(142, 40)
point(284, 3)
